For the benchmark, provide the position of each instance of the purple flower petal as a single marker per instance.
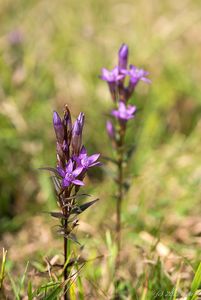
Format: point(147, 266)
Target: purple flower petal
point(93, 158)
point(77, 171)
point(112, 76)
point(83, 150)
point(61, 171)
point(98, 163)
point(69, 166)
point(124, 113)
point(122, 106)
point(78, 182)
point(65, 182)
point(137, 74)
point(131, 109)
point(115, 113)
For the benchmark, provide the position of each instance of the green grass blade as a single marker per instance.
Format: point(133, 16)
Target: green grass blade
point(54, 293)
point(80, 286)
point(3, 264)
point(44, 287)
point(23, 278)
point(14, 287)
point(29, 291)
point(177, 287)
point(195, 284)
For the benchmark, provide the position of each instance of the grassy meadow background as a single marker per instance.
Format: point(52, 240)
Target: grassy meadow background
point(62, 47)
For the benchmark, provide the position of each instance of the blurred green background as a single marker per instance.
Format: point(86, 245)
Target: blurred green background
point(51, 53)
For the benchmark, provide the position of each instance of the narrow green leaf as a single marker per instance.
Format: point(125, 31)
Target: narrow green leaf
point(195, 284)
point(14, 287)
point(53, 170)
point(176, 288)
point(3, 265)
point(79, 284)
point(29, 291)
point(54, 293)
point(23, 278)
point(44, 287)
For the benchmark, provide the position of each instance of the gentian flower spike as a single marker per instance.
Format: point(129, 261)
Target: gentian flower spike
point(72, 165)
point(123, 57)
point(85, 161)
point(58, 127)
point(124, 113)
point(69, 175)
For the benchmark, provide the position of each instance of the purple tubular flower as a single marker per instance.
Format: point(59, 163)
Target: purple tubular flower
point(58, 127)
point(85, 161)
point(77, 133)
point(110, 129)
point(124, 113)
point(123, 56)
point(81, 119)
point(137, 74)
point(112, 76)
point(69, 175)
point(67, 122)
point(15, 37)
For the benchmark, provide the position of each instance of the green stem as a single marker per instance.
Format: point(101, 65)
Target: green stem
point(66, 214)
point(120, 180)
point(66, 297)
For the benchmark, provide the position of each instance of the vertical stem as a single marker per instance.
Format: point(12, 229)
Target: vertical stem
point(66, 214)
point(118, 212)
point(120, 152)
point(65, 260)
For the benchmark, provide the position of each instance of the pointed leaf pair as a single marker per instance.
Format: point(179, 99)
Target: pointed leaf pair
point(53, 170)
point(79, 209)
point(56, 214)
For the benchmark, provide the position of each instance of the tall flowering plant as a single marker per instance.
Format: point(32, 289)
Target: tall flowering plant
point(121, 114)
point(73, 163)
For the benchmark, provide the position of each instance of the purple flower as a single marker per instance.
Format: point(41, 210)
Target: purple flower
point(85, 161)
point(137, 74)
point(15, 37)
point(112, 76)
point(69, 175)
point(58, 127)
point(124, 113)
point(77, 133)
point(110, 129)
point(123, 56)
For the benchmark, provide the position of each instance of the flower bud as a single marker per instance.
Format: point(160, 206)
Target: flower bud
point(77, 133)
point(15, 37)
point(67, 122)
point(123, 56)
point(110, 129)
point(81, 119)
point(58, 127)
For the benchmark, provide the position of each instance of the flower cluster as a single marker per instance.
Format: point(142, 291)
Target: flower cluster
point(120, 92)
point(72, 159)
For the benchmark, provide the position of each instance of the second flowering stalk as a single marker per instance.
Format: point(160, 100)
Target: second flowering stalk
point(117, 125)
